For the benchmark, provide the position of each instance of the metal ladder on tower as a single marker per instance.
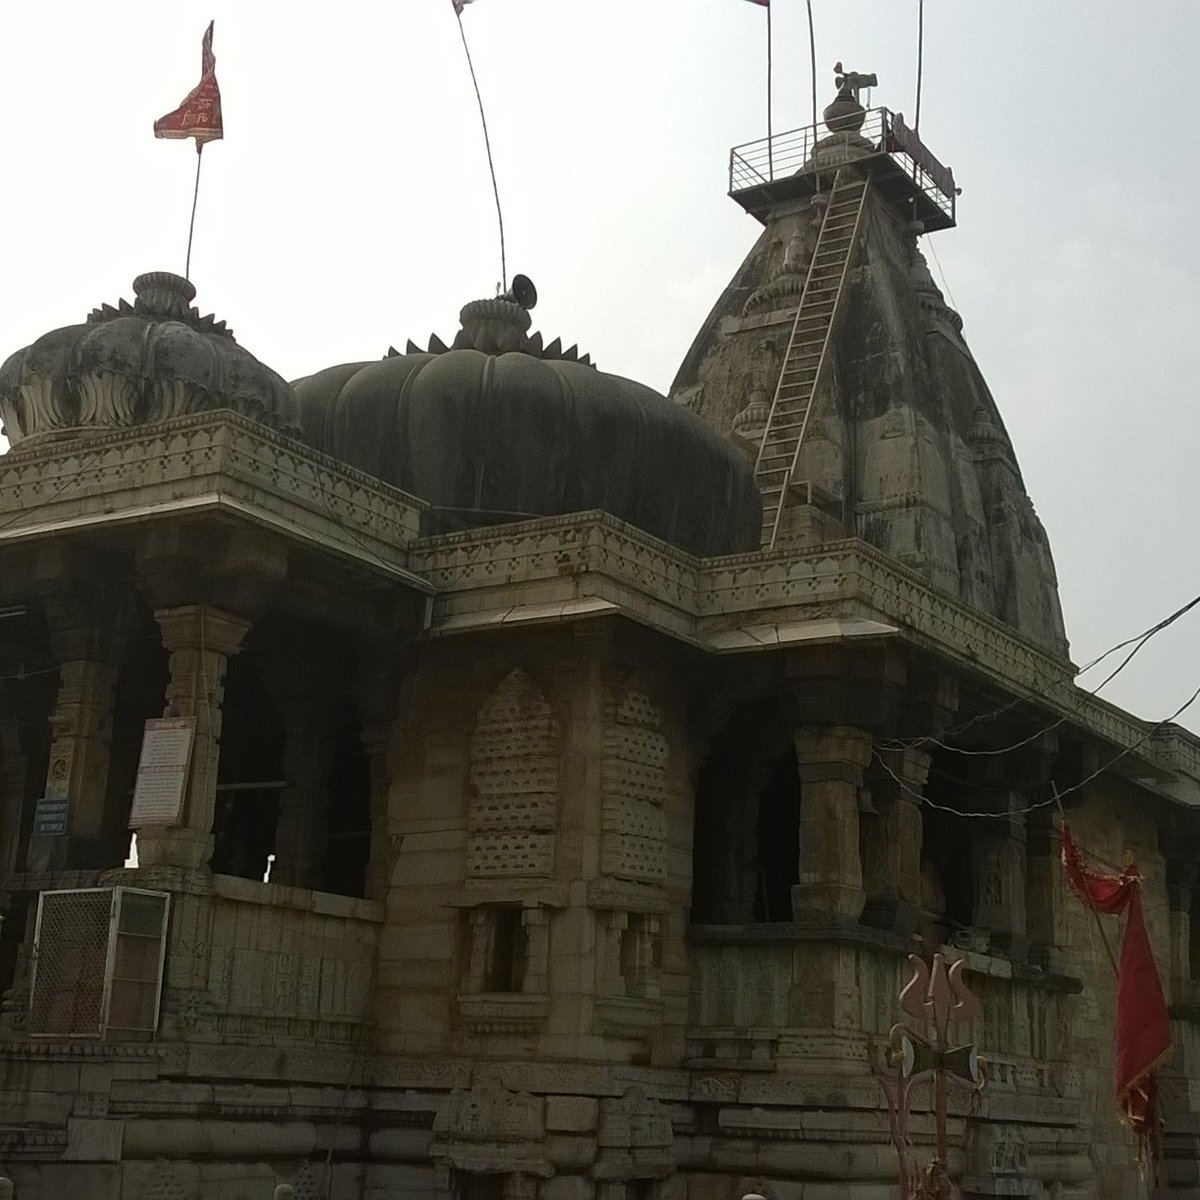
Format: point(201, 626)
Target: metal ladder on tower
point(808, 347)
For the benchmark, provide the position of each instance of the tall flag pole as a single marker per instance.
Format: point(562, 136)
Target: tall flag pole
point(920, 60)
point(770, 89)
point(459, 5)
point(812, 60)
point(199, 117)
point(770, 96)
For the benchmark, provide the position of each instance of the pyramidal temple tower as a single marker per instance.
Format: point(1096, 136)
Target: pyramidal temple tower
point(834, 359)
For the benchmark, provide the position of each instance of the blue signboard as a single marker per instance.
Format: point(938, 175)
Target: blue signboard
point(50, 816)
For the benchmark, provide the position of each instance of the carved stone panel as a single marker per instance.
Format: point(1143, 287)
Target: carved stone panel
point(636, 754)
point(488, 1129)
point(514, 770)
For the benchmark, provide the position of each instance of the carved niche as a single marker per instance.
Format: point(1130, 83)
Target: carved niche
point(997, 1161)
point(635, 1138)
point(488, 1129)
point(164, 1182)
point(636, 754)
point(514, 770)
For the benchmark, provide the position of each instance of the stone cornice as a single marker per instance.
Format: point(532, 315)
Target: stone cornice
point(215, 460)
point(485, 572)
point(564, 568)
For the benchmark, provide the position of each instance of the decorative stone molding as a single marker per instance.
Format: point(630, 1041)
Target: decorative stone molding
point(495, 1012)
point(210, 460)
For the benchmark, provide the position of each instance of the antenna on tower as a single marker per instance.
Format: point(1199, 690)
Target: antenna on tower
point(487, 141)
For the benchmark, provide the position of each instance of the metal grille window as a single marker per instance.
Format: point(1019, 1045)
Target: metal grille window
point(97, 962)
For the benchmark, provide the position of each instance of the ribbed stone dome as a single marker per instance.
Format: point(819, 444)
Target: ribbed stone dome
point(136, 364)
point(498, 427)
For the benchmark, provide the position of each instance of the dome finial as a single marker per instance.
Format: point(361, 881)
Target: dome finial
point(163, 294)
point(493, 326)
point(846, 114)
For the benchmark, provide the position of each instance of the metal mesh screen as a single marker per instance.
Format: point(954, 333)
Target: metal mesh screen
point(72, 954)
point(137, 963)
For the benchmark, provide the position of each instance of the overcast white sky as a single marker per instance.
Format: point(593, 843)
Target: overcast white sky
point(349, 208)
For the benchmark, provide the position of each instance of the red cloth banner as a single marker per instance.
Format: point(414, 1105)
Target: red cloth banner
point(1143, 1024)
point(199, 116)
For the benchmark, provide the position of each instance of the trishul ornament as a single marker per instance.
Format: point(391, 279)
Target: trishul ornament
point(935, 997)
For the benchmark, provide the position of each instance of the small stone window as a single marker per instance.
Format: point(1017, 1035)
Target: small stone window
point(472, 1185)
point(508, 950)
point(508, 953)
point(640, 954)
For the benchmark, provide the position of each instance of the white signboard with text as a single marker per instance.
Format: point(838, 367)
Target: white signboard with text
point(162, 772)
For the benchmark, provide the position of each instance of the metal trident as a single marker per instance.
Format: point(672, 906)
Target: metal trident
point(935, 997)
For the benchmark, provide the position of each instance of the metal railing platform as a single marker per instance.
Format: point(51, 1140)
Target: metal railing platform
point(792, 165)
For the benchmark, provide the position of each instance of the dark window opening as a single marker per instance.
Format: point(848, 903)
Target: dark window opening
point(27, 693)
point(947, 858)
point(141, 690)
point(1194, 939)
point(472, 1185)
point(746, 847)
point(12, 937)
point(251, 754)
point(509, 951)
point(641, 1189)
point(778, 835)
point(349, 844)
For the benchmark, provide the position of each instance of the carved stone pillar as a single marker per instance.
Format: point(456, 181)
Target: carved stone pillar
point(89, 638)
point(612, 926)
point(376, 740)
point(200, 640)
point(892, 841)
point(537, 966)
point(1182, 877)
point(998, 863)
point(477, 960)
point(832, 761)
point(377, 693)
point(13, 785)
point(1045, 892)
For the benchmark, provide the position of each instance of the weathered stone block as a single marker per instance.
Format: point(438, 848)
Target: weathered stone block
point(572, 1114)
point(567, 1187)
point(94, 1141)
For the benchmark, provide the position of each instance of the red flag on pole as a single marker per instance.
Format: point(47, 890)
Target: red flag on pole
point(762, 3)
point(1143, 1024)
point(199, 116)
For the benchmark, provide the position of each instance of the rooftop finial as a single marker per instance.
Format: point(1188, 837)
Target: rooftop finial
point(846, 114)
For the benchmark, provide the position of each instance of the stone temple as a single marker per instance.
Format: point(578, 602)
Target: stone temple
point(547, 780)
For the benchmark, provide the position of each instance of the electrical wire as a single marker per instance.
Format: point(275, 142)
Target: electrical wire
point(1088, 694)
point(920, 60)
point(945, 284)
point(1058, 796)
